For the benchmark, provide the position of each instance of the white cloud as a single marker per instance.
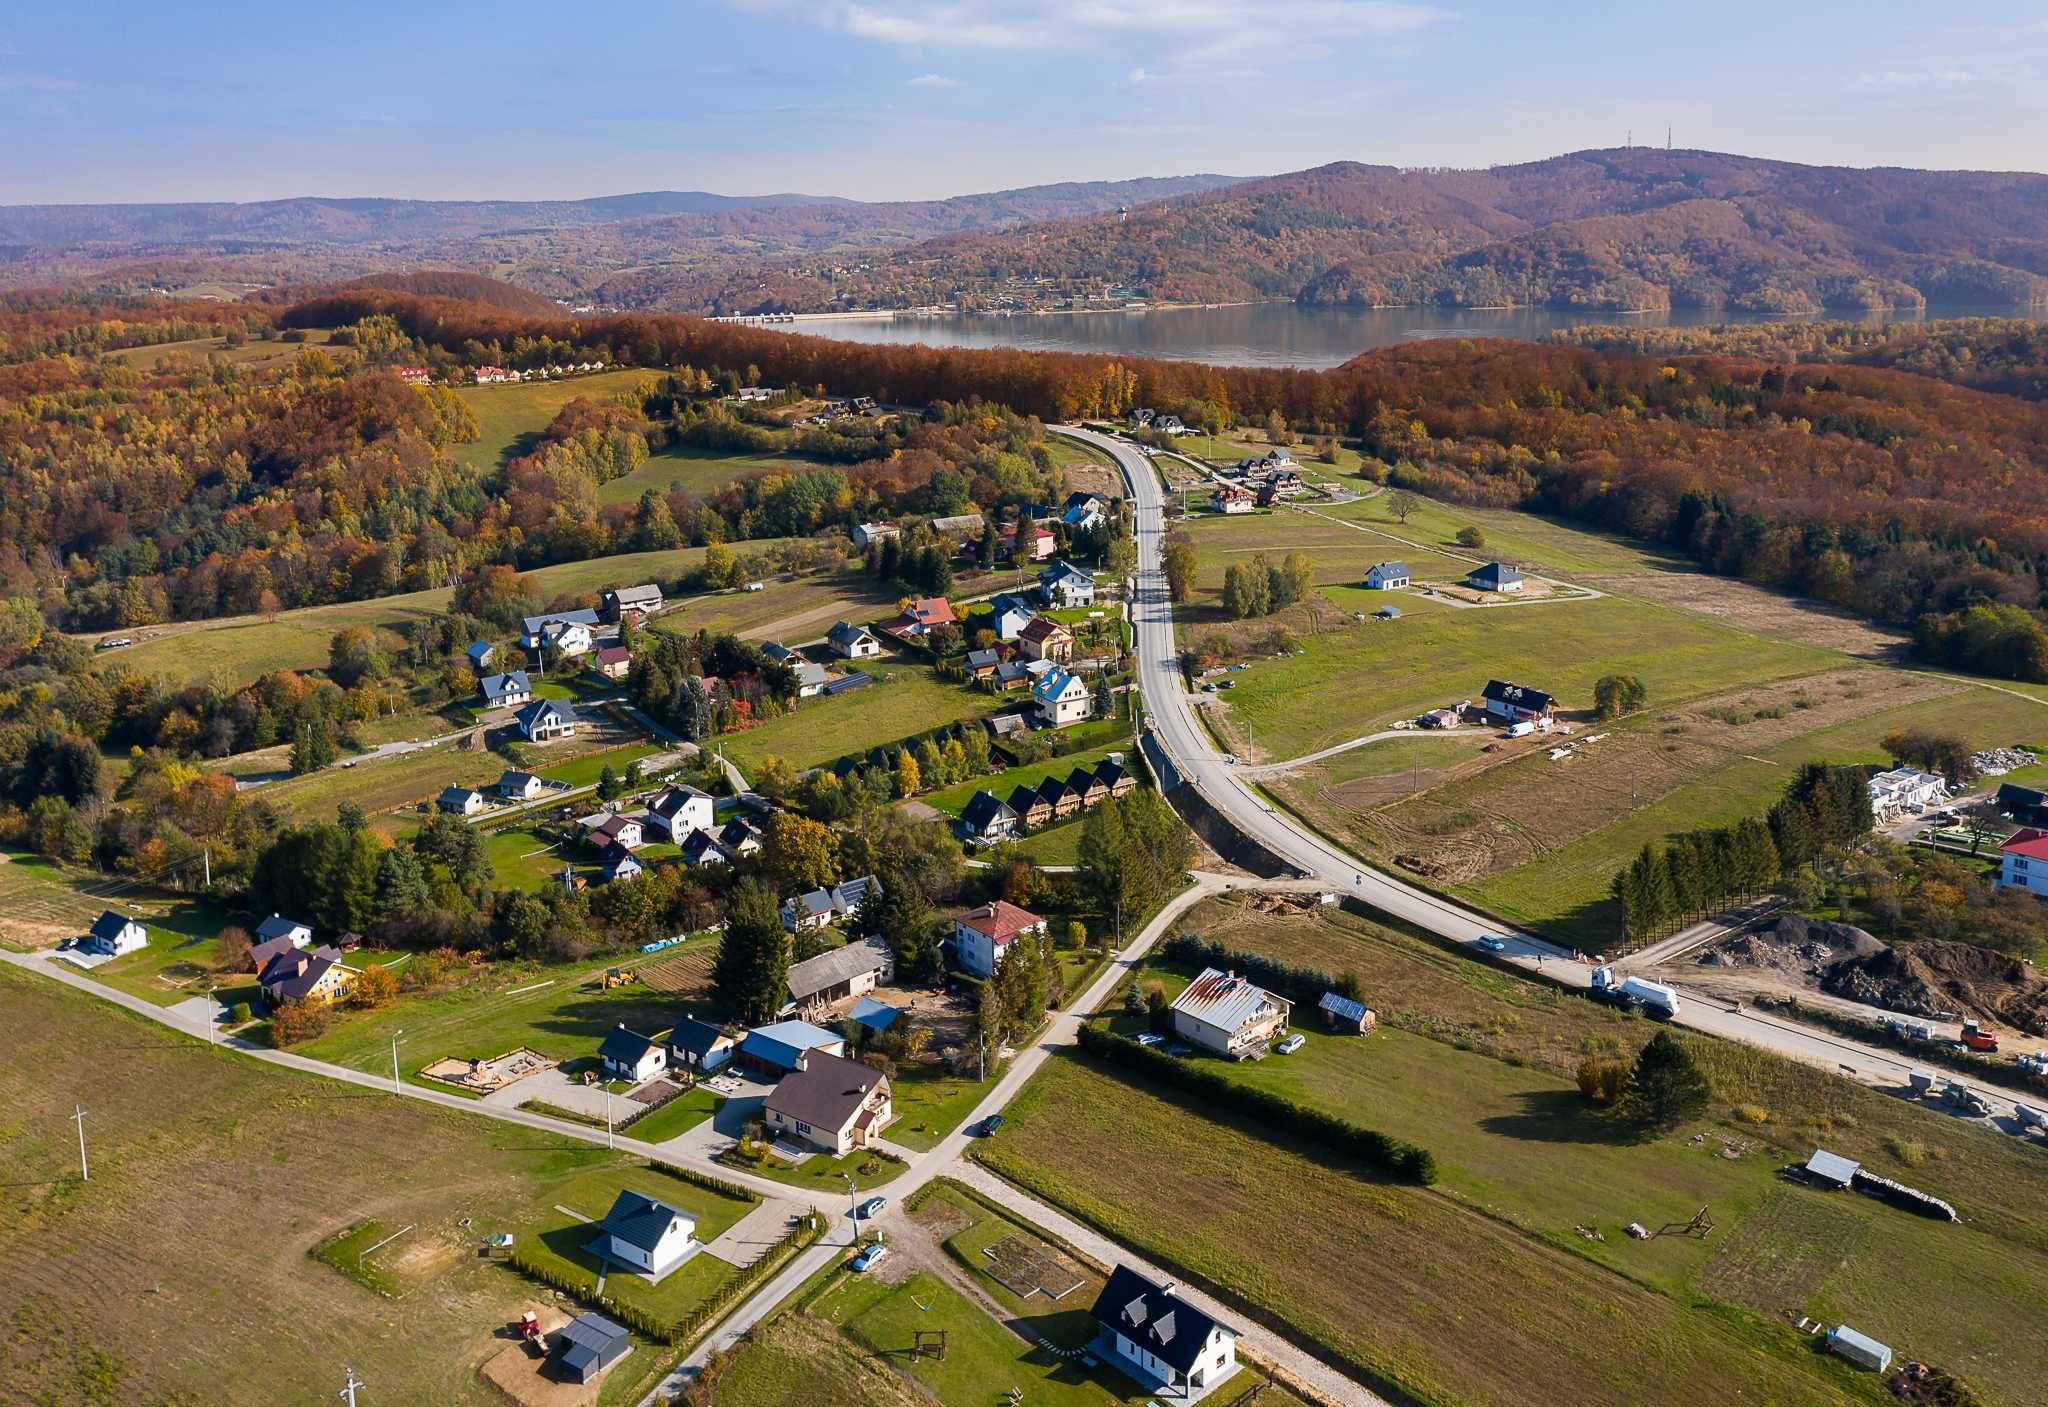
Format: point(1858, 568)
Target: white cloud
point(1917, 78)
point(1168, 28)
point(934, 80)
point(1134, 78)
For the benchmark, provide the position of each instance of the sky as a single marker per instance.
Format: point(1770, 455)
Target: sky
point(914, 99)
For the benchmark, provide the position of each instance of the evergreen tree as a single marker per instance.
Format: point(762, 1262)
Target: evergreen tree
point(751, 974)
point(1666, 1087)
point(402, 886)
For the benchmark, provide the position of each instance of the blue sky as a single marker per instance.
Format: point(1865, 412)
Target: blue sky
point(891, 99)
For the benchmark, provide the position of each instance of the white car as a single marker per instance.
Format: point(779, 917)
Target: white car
point(1492, 944)
point(1292, 1044)
point(119, 642)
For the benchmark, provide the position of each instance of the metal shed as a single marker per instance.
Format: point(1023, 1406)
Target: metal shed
point(1860, 1349)
point(1830, 1168)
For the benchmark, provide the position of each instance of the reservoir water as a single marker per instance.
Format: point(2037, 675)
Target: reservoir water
point(1274, 334)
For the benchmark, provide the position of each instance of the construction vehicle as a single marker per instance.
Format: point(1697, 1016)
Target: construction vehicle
point(1960, 1096)
point(1653, 998)
point(2035, 1064)
point(1921, 1082)
point(618, 977)
point(2032, 1118)
point(1977, 1038)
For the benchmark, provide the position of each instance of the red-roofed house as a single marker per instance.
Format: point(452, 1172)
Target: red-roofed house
point(920, 616)
point(2025, 860)
point(613, 661)
point(981, 936)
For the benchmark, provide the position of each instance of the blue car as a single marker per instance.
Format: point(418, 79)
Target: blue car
point(871, 1208)
point(1492, 944)
point(869, 1256)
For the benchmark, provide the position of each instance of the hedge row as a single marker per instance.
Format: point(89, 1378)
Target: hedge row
point(581, 1286)
point(705, 1180)
point(1304, 986)
point(1405, 1161)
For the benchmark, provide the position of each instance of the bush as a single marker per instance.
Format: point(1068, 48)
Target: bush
point(1406, 1161)
point(1602, 1081)
point(295, 1023)
point(375, 986)
point(1471, 537)
point(243, 1013)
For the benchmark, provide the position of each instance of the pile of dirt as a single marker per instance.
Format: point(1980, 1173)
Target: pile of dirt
point(1795, 945)
point(1939, 978)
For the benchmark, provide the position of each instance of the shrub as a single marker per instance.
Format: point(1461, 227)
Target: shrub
point(295, 1023)
point(1471, 537)
point(1602, 1081)
point(1406, 1161)
point(244, 1013)
point(1910, 1151)
point(1752, 1113)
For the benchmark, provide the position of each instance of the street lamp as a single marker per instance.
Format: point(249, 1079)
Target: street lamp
point(212, 1012)
point(852, 1202)
point(396, 1087)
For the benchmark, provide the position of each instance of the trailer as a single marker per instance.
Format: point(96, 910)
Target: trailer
point(1911, 1030)
point(1921, 1082)
point(1655, 998)
point(2030, 1117)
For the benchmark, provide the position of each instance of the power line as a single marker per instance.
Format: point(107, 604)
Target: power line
point(84, 1170)
point(348, 1391)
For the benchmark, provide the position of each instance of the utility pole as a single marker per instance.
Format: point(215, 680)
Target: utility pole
point(348, 1391)
point(608, 1117)
point(84, 1172)
point(212, 1012)
point(207, 857)
point(852, 1203)
point(396, 1087)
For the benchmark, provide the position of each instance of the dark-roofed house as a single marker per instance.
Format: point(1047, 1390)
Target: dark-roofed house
point(1029, 807)
point(740, 837)
point(520, 786)
point(852, 642)
point(780, 1046)
point(460, 801)
point(982, 936)
point(1513, 703)
point(981, 664)
point(701, 848)
point(700, 1046)
point(830, 1103)
point(1494, 576)
point(479, 656)
point(1010, 613)
point(1044, 638)
point(1342, 1013)
point(612, 661)
point(533, 630)
point(546, 719)
point(587, 1345)
point(1065, 585)
point(816, 984)
point(986, 817)
point(628, 1055)
point(1229, 1015)
point(278, 926)
point(1012, 674)
point(606, 828)
point(1167, 1344)
point(1053, 792)
point(620, 863)
point(1114, 777)
point(260, 955)
point(2023, 805)
point(645, 1235)
point(115, 934)
point(505, 690)
point(822, 907)
point(296, 975)
point(678, 810)
point(1089, 787)
point(1387, 576)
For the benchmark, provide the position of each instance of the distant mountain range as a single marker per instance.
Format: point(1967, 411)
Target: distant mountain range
point(1631, 228)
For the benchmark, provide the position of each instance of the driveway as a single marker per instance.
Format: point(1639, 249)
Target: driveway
point(564, 1092)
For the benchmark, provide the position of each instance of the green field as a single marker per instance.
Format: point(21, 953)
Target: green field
point(239, 1172)
point(511, 417)
point(905, 700)
point(792, 611)
point(560, 1238)
point(698, 471)
point(1477, 1064)
point(554, 1009)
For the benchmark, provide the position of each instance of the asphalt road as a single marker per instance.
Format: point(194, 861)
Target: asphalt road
point(1198, 762)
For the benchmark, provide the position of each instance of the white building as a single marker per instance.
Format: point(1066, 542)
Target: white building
point(678, 810)
point(1060, 698)
point(645, 1235)
point(981, 937)
point(628, 1055)
point(2024, 861)
point(1229, 1015)
point(1169, 1345)
point(114, 934)
point(1905, 789)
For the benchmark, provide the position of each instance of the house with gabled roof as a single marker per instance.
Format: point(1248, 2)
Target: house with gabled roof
point(822, 907)
point(533, 629)
point(1494, 576)
point(1114, 777)
point(1029, 807)
point(460, 801)
point(545, 720)
point(630, 603)
point(740, 838)
point(677, 810)
point(645, 1235)
point(479, 655)
point(1061, 699)
point(1387, 576)
point(1065, 585)
point(866, 535)
point(700, 848)
point(830, 1103)
point(603, 828)
point(852, 642)
point(612, 661)
point(299, 975)
point(839, 974)
point(982, 936)
point(1044, 638)
point(587, 1345)
point(1229, 1015)
point(1232, 498)
point(628, 1055)
point(2023, 860)
point(278, 926)
point(114, 934)
point(1342, 1013)
point(1167, 1344)
point(987, 818)
point(620, 863)
point(700, 1046)
point(1090, 788)
point(1513, 703)
point(920, 618)
point(519, 786)
point(1053, 792)
point(1009, 614)
point(505, 690)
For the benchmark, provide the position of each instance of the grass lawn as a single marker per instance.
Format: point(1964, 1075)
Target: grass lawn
point(41, 904)
point(525, 860)
point(560, 1237)
point(904, 701)
point(869, 1169)
point(1053, 845)
point(512, 417)
point(584, 771)
point(1526, 539)
point(678, 1116)
point(557, 1010)
point(931, 1103)
point(953, 798)
point(384, 784)
point(243, 1146)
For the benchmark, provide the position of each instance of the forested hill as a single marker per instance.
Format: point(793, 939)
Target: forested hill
point(1620, 229)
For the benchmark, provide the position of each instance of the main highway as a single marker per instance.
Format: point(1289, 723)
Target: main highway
point(1197, 762)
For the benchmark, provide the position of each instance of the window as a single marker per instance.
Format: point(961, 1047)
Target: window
point(2019, 862)
point(802, 1127)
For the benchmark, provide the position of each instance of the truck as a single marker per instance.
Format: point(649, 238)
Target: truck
point(1976, 1037)
point(2031, 1117)
point(1960, 1096)
point(1654, 998)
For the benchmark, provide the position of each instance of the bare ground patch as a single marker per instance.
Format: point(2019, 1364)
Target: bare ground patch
point(1761, 611)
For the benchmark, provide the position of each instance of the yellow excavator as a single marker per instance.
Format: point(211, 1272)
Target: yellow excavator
point(617, 977)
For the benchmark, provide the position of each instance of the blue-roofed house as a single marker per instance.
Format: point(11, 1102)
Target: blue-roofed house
point(1387, 576)
point(780, 1047)
point(505, 690)
point(544, 720)
point(479, 653)
point(1494, 576)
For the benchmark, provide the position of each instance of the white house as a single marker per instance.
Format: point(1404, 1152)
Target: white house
point(603, 828)
point(566, 639)
point(544, 720)
point(982, 936)
point(853, 642)
point(678, 810)
point(1060, 698)
point(1065, 585)
point(114, 935)
point(821, 908)
point(1153, 1335)
point(2025, 860)
point(1903, 790)
point(532, 629)
point(1494, 576)
point(460, 801)
point(520, 786)
point(1512, 703)
point(1387, 576)
point(277, 926)
point(699, 1045)
point(866, 535)
point(505, 690)
point(1009, 614)
point(645, 1235)
point(628, 1055)
point(1229, 1015)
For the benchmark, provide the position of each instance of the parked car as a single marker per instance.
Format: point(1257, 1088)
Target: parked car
point(119, 642)
point(991, 1125)
point(869, 1256)
point(1292, 1044)
point(871, 1208)
point(1492, 944)
point(1148, 1039)
point(1208, 688)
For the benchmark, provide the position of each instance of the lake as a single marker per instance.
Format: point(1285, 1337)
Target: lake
point(1272, 334)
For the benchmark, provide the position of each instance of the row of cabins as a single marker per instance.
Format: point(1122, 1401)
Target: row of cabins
point(989, 818)
point(497, 375)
